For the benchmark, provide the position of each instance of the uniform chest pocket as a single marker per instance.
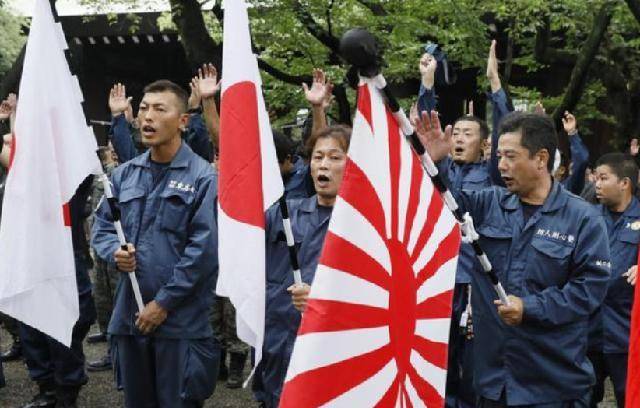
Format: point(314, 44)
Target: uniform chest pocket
point(548, 264)
point(130, 201)
point(629, 236)
point(496, 241)
point(476, 181)
point(175, 209)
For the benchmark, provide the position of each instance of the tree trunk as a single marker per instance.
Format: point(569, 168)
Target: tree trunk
point(585, 58)
point(198, 44)
point(344, 108)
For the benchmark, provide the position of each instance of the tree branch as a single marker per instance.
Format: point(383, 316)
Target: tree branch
point(281, 75)
point(307, 20)
point(634, 6)
point(375, 7)
point(544, 54)
point(585, 58)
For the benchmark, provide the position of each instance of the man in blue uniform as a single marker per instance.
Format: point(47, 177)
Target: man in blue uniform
point(164, 356)
point(617, 178)
point(293, 169)
point(124, 130)
point(309, 221)
point(549, 249)
point(465, 169)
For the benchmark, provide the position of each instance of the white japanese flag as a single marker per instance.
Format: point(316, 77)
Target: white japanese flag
point(54, 152)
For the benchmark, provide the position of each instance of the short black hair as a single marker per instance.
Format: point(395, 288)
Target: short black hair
point(164, 85)
point(341, 133)
point(622, 165)
point(284, 146)
point(484, 128)
point(538, 132)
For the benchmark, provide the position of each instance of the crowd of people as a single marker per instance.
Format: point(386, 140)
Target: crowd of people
point(562, 236)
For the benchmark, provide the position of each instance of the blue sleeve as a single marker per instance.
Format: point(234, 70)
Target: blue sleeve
point(426, 99)
point(477, 203)
point(122, 139)
point(104, 239)
point(500, 110)
point(200, 256)
point(579, 162)
point(586, 286)
point(197, 137)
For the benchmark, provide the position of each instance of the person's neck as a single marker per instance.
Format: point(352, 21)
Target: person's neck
point(539, 193)
point(165, 153)
point(621, 206)
point(326, 201)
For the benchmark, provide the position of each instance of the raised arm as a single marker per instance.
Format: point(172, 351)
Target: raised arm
point(500, 109)
point(319, 97)
point(120, 133)
point(208, 86)
point(579, 155)
point(427, 94)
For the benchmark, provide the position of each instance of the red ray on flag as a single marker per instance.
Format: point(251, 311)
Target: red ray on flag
point(376, 328)
point(632, 397)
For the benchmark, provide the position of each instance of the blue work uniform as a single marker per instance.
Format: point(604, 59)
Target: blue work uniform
point(296, 185)
point(557, 262)
point(615, 313)
point(196, 136)
point(50, 363)
point(171, 223)
point(427, 99)
point(579, 162)
point(465, 176)
point(309, 222)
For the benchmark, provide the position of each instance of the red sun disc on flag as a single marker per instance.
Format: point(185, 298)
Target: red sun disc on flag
point(376, 328)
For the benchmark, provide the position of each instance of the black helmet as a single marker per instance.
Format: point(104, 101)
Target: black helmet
point(361, 49)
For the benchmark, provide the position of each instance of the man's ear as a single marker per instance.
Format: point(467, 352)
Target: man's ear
point(184, 121)
point(543, 157)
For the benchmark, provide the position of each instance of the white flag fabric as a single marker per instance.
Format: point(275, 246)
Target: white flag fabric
point(54, 152)
point(249, 182)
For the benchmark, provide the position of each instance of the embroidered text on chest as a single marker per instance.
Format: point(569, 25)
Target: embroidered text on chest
point(181, 186)
point(555, 235)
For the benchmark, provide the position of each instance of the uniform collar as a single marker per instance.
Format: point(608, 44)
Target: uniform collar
point(309, 204)
point(556, 199)
point(632, 211)
point(180, 160)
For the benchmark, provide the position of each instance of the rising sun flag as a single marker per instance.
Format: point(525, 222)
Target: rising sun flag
point(376, 327)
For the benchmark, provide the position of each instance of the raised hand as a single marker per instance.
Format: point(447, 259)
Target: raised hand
point(320, 89)
point(437, 143)
point(413, 114)
point(8, 106)
point(328, 98)
point(428, 65)
point(5, 110)
point(569, 123)
point(194, 97)
point(634, 147)
point(208, 84)
point(492, 68)
point(470, 112)
point(539, 109)
point(118, 101)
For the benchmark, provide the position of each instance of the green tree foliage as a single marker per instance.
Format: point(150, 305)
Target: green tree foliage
point(11, 40)
point(542, 44)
